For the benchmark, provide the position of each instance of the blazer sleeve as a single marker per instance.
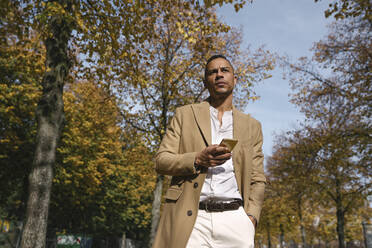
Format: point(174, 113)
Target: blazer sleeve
point(168, 160)
point(258, 179)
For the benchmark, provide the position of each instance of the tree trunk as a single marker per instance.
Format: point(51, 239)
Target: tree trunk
point(156, 208)
point(281, 236)
point(340, 228)
point(260, 243)
point(340, 216)
point(123, 240)
point(19, 235)
point(268, 236)
point(50, 116)
point(303, 235)
point(51, 241)
point(302, 228)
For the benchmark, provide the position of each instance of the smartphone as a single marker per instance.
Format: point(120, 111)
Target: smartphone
point(229, 143)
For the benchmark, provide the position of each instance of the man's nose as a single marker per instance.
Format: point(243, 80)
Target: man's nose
point(219, 73)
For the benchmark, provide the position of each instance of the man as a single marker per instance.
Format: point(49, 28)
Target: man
point(215, 195)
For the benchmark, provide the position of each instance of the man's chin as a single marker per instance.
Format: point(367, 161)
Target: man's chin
point(220, 95)
point(223, 92)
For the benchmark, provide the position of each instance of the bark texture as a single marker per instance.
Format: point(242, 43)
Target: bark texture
point(268, 236)
point(156, 208)
point(281, 236)
point(340, 215)
point(50, 117)
point(302, 228)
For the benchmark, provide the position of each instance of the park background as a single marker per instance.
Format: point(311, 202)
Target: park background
point(126, 66)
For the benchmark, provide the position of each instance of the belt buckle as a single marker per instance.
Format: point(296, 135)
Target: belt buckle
point(220, 207)
point(209, 205)
point(212, 205)
point(207, 202)
point(206, 206)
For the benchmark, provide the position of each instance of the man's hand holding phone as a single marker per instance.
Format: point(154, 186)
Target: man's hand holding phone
point(229, 143)
point(215, 155)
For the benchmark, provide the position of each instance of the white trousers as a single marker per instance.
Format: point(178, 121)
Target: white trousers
point(227, 229)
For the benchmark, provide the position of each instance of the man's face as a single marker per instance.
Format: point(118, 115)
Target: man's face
point(219, 78)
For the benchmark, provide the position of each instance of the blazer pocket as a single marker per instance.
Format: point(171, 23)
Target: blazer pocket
point(173, 194)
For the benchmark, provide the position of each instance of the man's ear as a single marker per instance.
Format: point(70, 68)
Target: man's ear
point(235, 79)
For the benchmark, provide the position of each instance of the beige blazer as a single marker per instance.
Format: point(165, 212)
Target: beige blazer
point(190, 132)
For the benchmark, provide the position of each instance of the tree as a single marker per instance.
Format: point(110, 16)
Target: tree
point(21, 69)
point(315, 186)
point(290, 166)
point(335, 108)
point(95, 26)
point(347, 9)
point(332, 90)
point(49, 114)
point(104, 179)
point(56, 20)
point(169, 72)
point(277, 220)
point(292, 170)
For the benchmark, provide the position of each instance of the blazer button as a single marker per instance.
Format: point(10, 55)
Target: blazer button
point(196, 185)
point(189, 213)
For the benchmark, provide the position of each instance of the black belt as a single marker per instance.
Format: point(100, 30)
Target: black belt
point(220, 206)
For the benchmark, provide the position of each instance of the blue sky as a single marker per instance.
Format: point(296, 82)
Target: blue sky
point(286, 27)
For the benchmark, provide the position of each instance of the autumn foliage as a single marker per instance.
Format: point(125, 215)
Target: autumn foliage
point(98, 56)
point(320, 173)
point(104, 175)
point(122, 69)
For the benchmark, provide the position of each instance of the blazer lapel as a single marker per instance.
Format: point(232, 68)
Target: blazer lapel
point(238, 133)
point(238, 124)
point(203, 120)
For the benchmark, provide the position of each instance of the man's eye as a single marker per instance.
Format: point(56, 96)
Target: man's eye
point(225, 69)
point(212, 72)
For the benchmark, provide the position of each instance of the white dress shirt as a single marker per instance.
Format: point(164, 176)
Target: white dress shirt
point(220, 182)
